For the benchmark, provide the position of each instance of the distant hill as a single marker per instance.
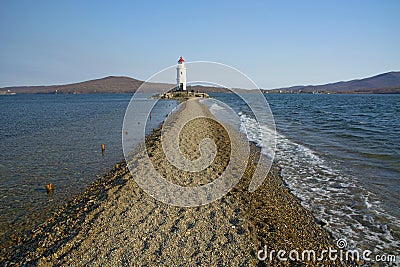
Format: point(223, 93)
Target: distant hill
point(111, 84)
point(380, 84)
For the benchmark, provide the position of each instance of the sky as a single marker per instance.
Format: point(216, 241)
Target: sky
point(275, 43)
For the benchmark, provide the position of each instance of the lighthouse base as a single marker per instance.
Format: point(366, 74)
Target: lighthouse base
point(181, 95)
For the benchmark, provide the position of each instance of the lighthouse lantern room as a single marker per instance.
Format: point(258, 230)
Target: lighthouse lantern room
point(181, 75)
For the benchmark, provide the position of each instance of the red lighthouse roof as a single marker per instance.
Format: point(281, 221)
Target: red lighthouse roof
point(181, 60)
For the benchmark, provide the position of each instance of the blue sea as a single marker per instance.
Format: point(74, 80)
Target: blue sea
point(339, 154)
point(57, 139)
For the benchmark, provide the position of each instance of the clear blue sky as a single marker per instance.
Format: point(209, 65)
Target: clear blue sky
point(276, 43)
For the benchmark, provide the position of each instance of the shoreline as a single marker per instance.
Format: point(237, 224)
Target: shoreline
point(132, 227)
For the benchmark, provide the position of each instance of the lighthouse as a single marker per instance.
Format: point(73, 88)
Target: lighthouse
point(181, 75)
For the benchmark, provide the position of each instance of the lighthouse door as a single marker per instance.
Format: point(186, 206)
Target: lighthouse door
point(181, 86)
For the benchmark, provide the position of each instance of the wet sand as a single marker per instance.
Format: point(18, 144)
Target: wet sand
point(115, 223)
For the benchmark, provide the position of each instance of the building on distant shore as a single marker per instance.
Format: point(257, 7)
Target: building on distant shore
point(181, 75)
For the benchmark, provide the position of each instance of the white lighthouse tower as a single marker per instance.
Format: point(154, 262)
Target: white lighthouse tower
point(181, 75)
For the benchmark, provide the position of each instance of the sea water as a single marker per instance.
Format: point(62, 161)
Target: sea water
point(57, 139)
point(340, 155)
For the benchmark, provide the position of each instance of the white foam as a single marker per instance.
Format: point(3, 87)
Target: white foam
point(351, 211)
